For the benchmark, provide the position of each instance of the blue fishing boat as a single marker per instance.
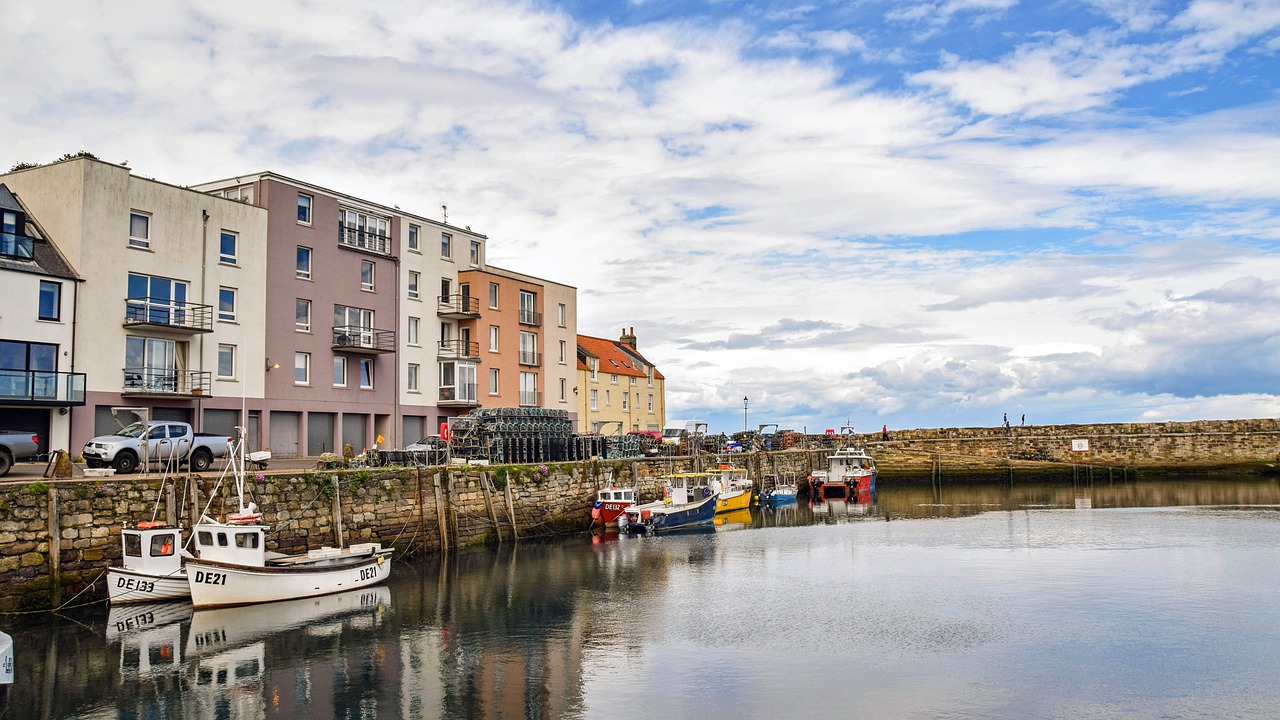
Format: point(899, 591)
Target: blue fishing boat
point(688, 500)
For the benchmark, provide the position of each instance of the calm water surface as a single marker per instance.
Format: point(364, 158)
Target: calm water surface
point(1133, 600)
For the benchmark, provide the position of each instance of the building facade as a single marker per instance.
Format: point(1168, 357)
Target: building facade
point(311, 317)
point(619, 391)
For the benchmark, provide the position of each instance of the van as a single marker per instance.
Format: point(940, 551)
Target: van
point(673, 431)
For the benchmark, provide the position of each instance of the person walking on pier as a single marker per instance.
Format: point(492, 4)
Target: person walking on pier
point(1007, 430)
point(884, 433)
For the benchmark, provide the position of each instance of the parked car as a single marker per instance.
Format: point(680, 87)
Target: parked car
point(165, 440)
point(16, 445)
point(430, 450)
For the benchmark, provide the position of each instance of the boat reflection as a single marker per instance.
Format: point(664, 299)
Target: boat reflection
point(734, 519)
point(150, 637)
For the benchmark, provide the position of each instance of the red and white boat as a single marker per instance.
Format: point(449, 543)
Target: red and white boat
point(850, 471)
point(611, 506)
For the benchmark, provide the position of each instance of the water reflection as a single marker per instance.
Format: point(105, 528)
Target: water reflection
point(1002, 601)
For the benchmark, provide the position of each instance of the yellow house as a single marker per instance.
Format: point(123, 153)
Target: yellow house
point(618, 387)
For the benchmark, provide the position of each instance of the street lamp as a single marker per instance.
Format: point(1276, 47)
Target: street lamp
point(744, 415)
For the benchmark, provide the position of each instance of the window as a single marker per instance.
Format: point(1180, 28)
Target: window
point(360, 230)
point(608, 398)
point(301, 368)
point(446, 246)
point(413, 238)
point(155, 364)
point(493, 381)
point(226, 361)
point(475, 253)
point(563, 346)
point(493, 338)
point(413, 330)
point(161, 545)
point(633, 382)
point(228, 247)
point(50, 300)
point(446, 289)
point(302, 315)
point(304, 263)
point(528, 303)
point(625, 397)
point(528, 348)
point(414, 279)
point(593, 364)
point(613, 378)
point(227, 304)
point(366, 373)
point(352, 326)
point(139, 230)
point(595, 399)
point(560, 314)
point(304, 209)
point(564, 389)
point(366, 275)
point(493, 296)
point(247, 540)
point(650, 402)
point(529, 389)
point(339, 372)
point(35, 364)
point(412, 378)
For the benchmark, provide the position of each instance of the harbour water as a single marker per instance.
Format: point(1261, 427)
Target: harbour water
point(1107, 600)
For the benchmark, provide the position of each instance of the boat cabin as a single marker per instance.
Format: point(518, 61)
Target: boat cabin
point(846, 463)
point(627, 496)
point(153, 550)
point(238, 544)
point(687, 488)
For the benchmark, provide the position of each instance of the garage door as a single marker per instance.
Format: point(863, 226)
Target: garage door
point(319, 433)
point(28, 420)
point(353, 431)
point(284, 433)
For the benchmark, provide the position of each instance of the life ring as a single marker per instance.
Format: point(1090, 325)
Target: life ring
point(243, 518)
point(150, 524)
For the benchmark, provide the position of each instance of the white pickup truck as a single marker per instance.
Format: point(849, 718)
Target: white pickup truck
point(165, 440)
point(15, 445)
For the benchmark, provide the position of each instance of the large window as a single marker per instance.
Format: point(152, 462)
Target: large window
point(228, 248)
point(304, 263)
point(301, 368)
point(304, 209)
point(302, 315)
point(528, 348)
point(50, 300)
point(28, 370)
point(139, 230)
point(528, 312)
point(529, 389)
point(157, 300)
point(227, 304)
point(226, 361)
point(339, 372)
point(154, 364)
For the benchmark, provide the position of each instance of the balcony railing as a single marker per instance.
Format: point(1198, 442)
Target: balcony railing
point(529, 317)
point(458, 350)
point(360, 239)
point(530, 398)
point(19, 246)
point(531, 358)
point(37, 387)
point(165, 381)
point(168, 314)
point(458, 395)
point(458, 306)
point(357, 339)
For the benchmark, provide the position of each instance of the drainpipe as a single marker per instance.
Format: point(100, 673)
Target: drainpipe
point(75, 314)
point(198, 425)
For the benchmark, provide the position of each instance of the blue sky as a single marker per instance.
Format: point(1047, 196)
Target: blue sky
point(917, 214)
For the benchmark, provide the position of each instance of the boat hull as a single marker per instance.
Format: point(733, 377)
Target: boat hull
point(218, 584)
point(733, 501)
point(671, 517)
point(605, 514)
point(130, 586)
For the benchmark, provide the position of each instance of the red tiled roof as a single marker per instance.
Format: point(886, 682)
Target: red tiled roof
point(614, 356)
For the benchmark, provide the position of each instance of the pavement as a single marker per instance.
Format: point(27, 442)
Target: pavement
point(27, 472)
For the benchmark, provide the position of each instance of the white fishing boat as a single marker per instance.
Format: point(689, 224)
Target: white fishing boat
point(151, 565)
point(231, 565)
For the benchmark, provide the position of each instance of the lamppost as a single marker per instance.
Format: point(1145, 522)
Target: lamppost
point(744, 415)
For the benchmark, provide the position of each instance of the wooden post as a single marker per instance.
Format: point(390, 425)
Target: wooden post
point(171, 504)
point(55, 549)
point(440, 518)
point(193, 485)
point(422, 513)
point(453, 510)
point(337, 511)
point(488, 503)
point(511, 510)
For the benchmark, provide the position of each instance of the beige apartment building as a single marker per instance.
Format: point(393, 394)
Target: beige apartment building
point(618, 390)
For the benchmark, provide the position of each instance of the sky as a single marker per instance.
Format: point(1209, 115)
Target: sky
point(912, 214)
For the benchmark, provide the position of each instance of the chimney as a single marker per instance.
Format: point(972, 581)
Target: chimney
point(628, 338)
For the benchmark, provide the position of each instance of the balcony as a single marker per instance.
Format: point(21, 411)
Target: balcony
point(458, 307)
point(458, 350)
point(17, 246)
point(37, 387)
point(365, 240)
point(530, 358)
point(530, 398)
point(165, 382)
point(530, 318)
point(166, 314)
point(363, 340)
point(460, 395)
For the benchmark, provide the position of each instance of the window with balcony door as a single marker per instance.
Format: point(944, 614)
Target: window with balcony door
point(364, 231)
point(352, 326)
point(28, 370)
point(528, 305)
point(154, 364)
point(529, 389)
point(528, 348)
point(156, 300)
